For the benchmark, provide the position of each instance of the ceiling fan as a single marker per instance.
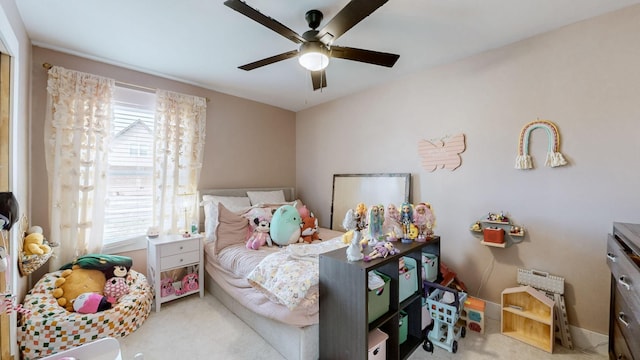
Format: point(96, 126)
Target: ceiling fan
point(316, 46)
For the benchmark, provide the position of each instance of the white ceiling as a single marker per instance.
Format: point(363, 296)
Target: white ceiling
point(202, 42)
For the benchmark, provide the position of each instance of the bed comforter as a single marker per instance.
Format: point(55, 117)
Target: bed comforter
point(278, 283)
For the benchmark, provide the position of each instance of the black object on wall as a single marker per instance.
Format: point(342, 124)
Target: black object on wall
point(8, 210)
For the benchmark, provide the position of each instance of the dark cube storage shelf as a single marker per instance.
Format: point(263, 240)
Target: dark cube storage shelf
point(344, 325)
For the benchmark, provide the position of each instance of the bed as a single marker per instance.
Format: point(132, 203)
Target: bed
point(285, 316)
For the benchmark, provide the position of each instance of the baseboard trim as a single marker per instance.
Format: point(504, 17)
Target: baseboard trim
point(585, 340)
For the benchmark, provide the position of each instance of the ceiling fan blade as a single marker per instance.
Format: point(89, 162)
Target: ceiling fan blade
point(350, 15)
point(257, 16)
point(269, 60)
point(318, 79)
point(367, 56)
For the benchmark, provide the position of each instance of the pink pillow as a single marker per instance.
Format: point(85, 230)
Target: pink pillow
point(232, 229)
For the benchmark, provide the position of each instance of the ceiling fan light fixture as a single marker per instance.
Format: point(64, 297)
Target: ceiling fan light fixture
point(313, 56)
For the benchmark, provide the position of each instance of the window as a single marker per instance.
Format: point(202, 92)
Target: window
point(128, 205)
point(138, 150)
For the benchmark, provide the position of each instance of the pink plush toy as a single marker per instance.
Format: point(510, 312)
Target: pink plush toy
point(304, 211)
point(260, 235)
point(166, 287)
point(190, 282)
point(117, 286)
point(90, 303)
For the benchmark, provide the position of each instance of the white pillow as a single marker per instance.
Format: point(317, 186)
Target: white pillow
point(266, 197)
point(210, 204)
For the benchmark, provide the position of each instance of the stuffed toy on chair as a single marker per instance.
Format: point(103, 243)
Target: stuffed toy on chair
point(76, 281)
point(116, 287)
point(91, 303)
point(88, 273)
point(103, 262)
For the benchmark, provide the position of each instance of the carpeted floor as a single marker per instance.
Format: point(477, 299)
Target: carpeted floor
point(202, 328)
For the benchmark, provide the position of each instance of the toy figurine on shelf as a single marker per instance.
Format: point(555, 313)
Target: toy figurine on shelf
point(391, 226)
point(424, 220)
point(498, 217)
point(353, 222)
point(382, 249)
point(361, 212)
point(406, 219)
point(376, 220)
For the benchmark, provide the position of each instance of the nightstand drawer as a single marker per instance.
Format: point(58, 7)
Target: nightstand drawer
point(168, 262)
point(179, 247)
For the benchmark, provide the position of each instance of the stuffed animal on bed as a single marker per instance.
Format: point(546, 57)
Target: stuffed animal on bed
point(285, 225)
point(309, 231)
point(260, 235)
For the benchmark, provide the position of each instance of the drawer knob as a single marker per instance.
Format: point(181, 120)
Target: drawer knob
point(623, 281)
point(611, 257)
point(181, 247)
point(623, 319)
point(181, 260)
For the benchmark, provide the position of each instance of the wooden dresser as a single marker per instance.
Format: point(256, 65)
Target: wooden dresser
point(623, 258)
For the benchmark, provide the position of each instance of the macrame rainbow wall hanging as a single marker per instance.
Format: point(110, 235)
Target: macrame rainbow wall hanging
point(554, 157)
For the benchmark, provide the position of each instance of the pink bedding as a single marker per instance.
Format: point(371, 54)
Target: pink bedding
point(231, 267)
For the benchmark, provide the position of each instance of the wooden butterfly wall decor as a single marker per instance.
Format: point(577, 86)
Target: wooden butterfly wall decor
point(440, 154)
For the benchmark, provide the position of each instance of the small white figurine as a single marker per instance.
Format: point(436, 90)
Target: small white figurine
point(352, 222)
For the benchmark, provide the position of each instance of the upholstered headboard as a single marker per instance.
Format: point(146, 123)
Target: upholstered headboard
point(289, 195)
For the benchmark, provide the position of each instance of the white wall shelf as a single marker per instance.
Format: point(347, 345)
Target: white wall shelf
point(513, 234)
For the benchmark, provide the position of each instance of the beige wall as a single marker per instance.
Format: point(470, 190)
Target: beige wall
point(16, 43)
point(584, 77)
point(247, 144)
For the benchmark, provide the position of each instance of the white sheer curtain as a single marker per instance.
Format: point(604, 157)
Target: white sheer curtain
point(79, 112)
point(179, 143)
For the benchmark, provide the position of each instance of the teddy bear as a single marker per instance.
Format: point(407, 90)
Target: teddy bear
point(309, 232)
point(116, 286)
point(34, 243)
point(75, 281)
point(260, 235)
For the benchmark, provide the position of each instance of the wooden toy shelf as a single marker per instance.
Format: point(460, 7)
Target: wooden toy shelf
point(513, 234)
point(527, 315)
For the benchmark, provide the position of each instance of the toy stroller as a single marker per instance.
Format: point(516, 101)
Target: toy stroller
point(445, 305)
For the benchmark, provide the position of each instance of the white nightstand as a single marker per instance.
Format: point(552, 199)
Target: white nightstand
point(169, 252)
